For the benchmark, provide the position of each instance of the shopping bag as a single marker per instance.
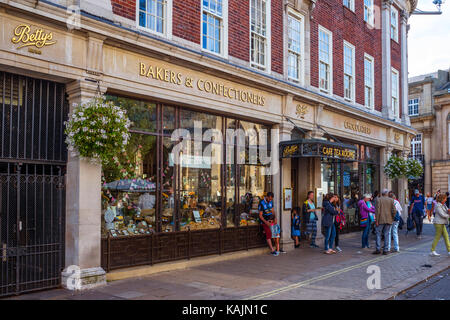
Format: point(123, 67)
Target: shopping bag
point(410, 225)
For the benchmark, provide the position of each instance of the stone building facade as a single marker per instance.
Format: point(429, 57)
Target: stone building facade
point(326, 78)
point(429, 113)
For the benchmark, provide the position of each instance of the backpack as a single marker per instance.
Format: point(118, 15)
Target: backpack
point(340, 218)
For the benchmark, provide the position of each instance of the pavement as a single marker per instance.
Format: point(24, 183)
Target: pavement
point(304, 273)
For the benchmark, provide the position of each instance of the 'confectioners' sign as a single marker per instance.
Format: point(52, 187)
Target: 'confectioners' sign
point(203, 85)
point(357, 127)
point(26, 37)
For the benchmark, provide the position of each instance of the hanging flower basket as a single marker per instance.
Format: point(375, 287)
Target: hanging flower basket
point(97, 130)
point(414, 168)
point(395, 167)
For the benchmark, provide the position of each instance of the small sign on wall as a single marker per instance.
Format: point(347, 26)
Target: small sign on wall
point(287, 199)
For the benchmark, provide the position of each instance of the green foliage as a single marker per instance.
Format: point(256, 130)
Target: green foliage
point(97, 130)
point(395, 167)
point(414, 168)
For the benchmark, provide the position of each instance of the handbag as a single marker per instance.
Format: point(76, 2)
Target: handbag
point(363, 222)
point(410, 223)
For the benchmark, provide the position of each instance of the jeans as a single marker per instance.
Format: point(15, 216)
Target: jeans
point(365, 236)
point(386, 230)
point(311, 228)
point(394, 233)
point(336, 238)
point(330, 234)
point(418, 219)
point(440, 232)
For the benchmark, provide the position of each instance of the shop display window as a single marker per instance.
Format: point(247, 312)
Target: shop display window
point(154, 187)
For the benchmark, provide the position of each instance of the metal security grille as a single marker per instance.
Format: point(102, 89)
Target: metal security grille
point(32, 188)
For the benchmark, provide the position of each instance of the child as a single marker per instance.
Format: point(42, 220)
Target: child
point(295, 233)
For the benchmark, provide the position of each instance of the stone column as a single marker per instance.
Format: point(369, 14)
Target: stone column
point(83, 209)
point(284, 216)
point(386, 58)
point(426, 143)
point(404, 71)
point(385, 182)
point(402, 189)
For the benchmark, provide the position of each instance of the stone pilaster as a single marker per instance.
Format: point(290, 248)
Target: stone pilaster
point(426, 145)
point(404, 71)
point(386, 58)
point(83, 208)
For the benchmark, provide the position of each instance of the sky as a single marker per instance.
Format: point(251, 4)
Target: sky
point(429, 40)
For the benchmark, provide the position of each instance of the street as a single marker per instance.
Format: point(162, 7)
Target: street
point(435, 288)
point(303, 273)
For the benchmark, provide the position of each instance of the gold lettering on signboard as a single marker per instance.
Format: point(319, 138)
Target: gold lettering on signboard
point(39, 38)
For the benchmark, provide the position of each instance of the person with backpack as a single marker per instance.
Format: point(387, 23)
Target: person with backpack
point(269, 222)
point(395, 224)
point(365, 209)
point(328, 218)
point(310, 218)
point(339, 222)
point(417, 207)
point(295, 232)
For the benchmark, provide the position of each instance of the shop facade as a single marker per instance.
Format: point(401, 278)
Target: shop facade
point(176, 202)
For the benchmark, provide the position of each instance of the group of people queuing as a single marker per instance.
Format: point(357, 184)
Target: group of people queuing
point(380, 214)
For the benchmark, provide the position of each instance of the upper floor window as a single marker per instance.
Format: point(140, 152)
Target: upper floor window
point(395, 91)
point(259, 33)
point(416, 145)
point(350, 4)
point(413, 107)
point(295, 45)
point(394, 24)
point(213, 39)
point(369, 81)
point(325, 59)
point(153, 15)
point(368, 11)
point(349, 71)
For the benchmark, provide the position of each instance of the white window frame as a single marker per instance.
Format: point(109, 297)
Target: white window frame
point(415, 143)
point(370, 12)
point(371, 104)
point(394, 24)
point(301, 18)
point(395, 94)
point(223, 29)
point(167, 24)
point(330, 63)
point(351, 4)
point(352, 93)
point(268, 47)
point(413, 104)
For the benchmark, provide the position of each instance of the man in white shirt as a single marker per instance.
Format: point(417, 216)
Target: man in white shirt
point(394, 229)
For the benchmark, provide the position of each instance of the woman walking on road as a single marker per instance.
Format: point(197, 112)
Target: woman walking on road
point(329, 214)
point(440, 222)
point(430, 205)
point(365, 209)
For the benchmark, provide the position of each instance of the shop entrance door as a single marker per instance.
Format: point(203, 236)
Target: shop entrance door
point(32, 190)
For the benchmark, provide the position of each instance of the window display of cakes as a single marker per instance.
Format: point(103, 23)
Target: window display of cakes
point(122, 217)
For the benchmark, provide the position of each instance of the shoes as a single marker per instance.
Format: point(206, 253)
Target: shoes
point(282, 251)
point(434, 253)
point(376, 252)
point(397, 250)
point(313, 245)
point(274, 253)
point(296, 246)
point(338, 249)
point(385, 253)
